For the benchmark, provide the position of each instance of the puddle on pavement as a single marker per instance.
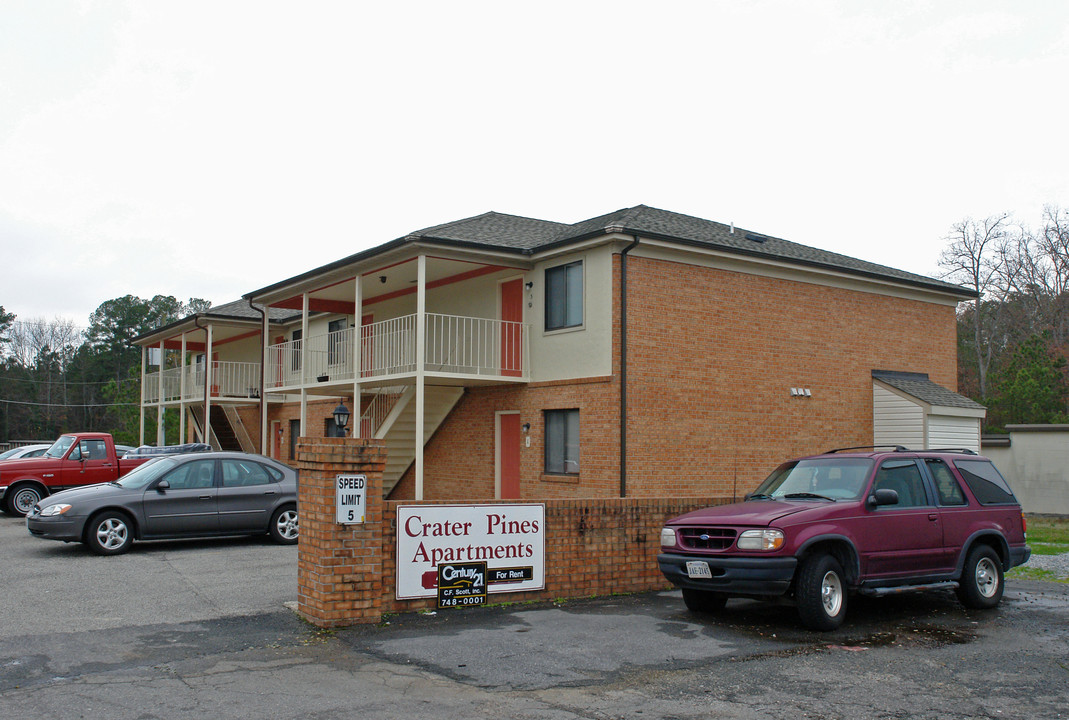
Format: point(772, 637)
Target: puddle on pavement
point(926, 636)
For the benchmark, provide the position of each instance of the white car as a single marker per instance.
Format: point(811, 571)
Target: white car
point(24, 451)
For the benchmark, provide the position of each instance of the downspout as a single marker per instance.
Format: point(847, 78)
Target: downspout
point(263, 355)
point(623, 365)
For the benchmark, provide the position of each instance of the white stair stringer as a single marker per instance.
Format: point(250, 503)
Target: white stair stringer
point(401, 434)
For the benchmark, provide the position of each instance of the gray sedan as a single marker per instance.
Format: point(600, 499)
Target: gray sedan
point(181, 496)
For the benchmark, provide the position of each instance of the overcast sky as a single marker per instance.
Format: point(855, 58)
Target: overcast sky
point(206, 149)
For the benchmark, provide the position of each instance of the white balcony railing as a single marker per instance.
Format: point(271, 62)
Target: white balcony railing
point(454, 345)
point(229, 379)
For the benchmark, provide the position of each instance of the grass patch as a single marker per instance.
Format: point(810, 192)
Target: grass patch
point(1032, 573)
point(1048, 536)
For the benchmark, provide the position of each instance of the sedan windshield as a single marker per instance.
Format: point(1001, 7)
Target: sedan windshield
point(59, 447)
point(140, 477)
point(824, 478)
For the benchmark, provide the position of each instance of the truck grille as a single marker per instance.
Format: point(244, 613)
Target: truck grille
point(707, 538)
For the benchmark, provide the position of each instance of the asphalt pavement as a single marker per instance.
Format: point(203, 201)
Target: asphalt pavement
point(200, 629)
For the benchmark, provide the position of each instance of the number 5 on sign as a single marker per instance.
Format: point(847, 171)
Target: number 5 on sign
point(350, 491)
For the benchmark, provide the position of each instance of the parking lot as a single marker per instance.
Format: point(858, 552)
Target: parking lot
point(199, 628)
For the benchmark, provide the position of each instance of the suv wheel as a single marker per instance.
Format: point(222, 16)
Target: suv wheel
point(703, 601)
point(821, 593)
point(981, 579)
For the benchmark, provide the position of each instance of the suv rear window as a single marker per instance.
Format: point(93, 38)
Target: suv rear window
point(986, 483)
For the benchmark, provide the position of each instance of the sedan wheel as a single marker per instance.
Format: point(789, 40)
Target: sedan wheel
point(109, 534)
point(285, 528)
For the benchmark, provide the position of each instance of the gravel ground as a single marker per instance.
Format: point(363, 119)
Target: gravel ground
point(1057, 564)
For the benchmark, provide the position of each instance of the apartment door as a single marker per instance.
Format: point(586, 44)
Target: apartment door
point(512, 327)
point(509, 439)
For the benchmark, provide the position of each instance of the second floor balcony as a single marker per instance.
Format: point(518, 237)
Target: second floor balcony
point(229, 380)
point(459, 348)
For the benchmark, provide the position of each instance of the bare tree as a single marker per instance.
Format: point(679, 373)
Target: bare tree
point(976, 256)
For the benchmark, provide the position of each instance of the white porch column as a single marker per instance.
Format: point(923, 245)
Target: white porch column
point(208, 386)
point(141, 430)
point(304, 362)
point(421, 356)
point(265, 334)
point(182, 393)
point(358, 360)
point(160, 438)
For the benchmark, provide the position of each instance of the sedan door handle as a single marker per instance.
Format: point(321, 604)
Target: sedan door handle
point(933, 517)
point(205, 497)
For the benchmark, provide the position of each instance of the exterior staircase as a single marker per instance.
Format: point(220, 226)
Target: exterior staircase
point(223, 435)
point(398, 429)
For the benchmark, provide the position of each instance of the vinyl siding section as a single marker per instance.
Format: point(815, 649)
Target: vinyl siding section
point(896, 420)
point(954, 432)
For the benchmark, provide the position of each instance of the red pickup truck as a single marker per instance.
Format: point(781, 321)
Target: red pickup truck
point(74, 459)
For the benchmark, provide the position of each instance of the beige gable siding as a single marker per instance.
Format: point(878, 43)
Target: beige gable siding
point(954, 432)
point(896, 420)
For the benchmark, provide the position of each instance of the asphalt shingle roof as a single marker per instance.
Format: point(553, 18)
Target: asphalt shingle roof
point(919, 386)
point(526, 236)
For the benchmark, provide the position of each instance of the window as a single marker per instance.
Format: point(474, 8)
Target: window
point(245, 473)
point(295, 350)
point(192, 475)
point(562, 442)
point(336, 341)
point(331, 429)
point(904, 477)
point(949, 491)
point(986, 483)
point(564, 296)
point(295, 432)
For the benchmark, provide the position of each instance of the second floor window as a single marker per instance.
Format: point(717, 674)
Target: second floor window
point(564, 296)
point(336, 341)
point(295, 350)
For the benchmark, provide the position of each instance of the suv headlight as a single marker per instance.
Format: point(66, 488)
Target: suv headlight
point(57, 509)
point(668, 538)
point(767, 539)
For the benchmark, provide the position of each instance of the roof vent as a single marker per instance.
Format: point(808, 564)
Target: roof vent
point(755, 238)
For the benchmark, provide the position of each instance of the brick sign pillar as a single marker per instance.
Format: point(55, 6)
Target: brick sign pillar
point(339, 566)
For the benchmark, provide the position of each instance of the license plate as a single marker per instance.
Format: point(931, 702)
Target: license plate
point(698, 569)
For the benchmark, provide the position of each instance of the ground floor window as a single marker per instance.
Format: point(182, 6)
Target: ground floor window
point(562, 442)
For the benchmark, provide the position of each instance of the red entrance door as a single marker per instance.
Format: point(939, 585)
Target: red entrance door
point(508, 455)
point(512, 327)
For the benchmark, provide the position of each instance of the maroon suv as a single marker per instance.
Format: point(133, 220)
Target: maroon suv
point(860, 520)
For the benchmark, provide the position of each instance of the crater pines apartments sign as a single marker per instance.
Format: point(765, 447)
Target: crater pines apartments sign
point(510, 539)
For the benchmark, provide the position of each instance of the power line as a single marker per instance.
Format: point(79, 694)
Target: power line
point(70, 382)
point(58, 405)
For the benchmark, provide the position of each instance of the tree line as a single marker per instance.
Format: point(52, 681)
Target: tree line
point(1013, 339)
point(56, 377)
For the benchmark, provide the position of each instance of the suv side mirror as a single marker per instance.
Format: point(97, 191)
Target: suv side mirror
point(883, 496)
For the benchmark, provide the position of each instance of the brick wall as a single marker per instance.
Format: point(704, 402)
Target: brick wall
point(712, 357)
point(347, 573)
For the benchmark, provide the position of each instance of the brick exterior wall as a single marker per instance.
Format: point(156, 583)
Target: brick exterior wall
point(712, 357)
